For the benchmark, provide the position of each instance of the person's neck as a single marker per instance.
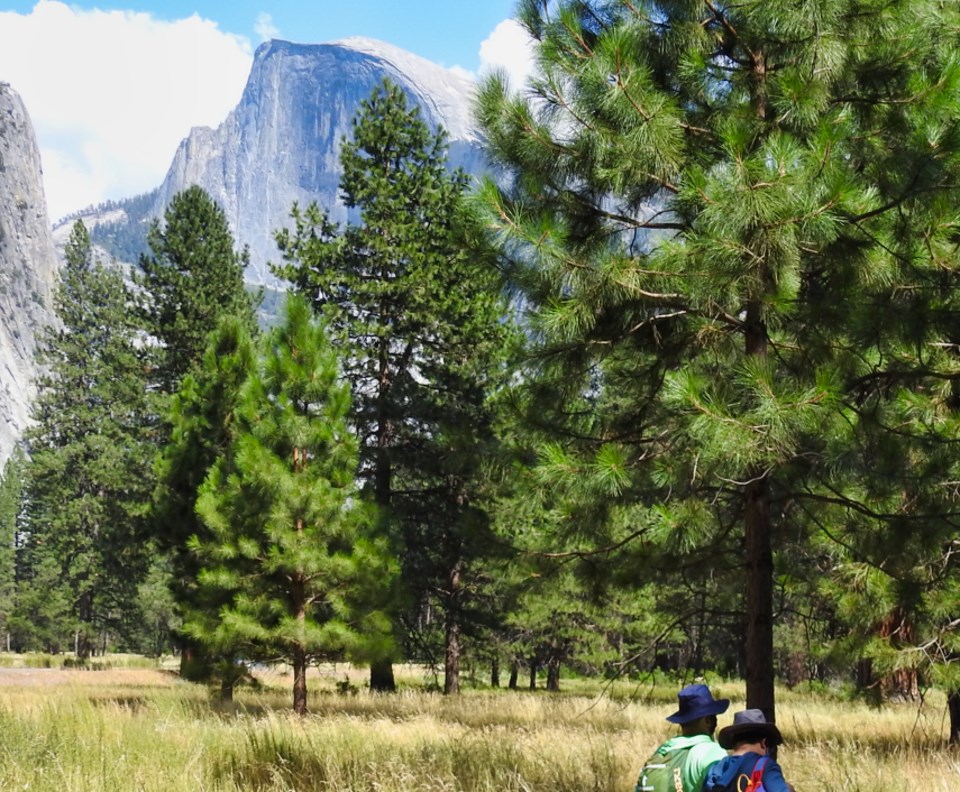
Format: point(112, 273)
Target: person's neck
point(756, 748)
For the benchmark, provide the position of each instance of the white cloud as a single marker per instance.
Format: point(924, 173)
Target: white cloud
point(510, 49)
point(265, 28)
point(111, 94)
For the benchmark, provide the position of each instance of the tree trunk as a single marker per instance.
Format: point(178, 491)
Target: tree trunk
point(553, 675)
point(381, 677)
point(533, 673)
point(514, 675)
point(451, 669)
point(903, 684)
point(226, 689)
point(953, 706)
point(758, 561)
point(299, 681)
point(494, 673)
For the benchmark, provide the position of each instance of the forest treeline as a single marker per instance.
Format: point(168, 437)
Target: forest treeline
point(677, 390)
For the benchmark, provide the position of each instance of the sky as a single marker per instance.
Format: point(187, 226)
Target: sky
point(113, 87)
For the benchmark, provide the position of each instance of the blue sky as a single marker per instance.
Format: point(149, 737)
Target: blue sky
point(448, 32)
point(112, 87)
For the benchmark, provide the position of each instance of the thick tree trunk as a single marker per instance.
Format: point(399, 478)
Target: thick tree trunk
point(758, 560)
point(759, 601)
point(903, 684)
point(514, 675)
point(299, 681)
point(494, 672)
point(953, 706)
point(533, 673)
point(381, 677)
point(553, 675)
point(451, 669)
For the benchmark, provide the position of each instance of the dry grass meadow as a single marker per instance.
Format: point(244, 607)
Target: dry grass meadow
point(142, 729)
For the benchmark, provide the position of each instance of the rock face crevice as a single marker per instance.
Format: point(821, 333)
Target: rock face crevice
point(28, 266)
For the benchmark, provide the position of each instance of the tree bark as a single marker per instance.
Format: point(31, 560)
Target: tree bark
point(758, 560)
point(299, 681)
point(494, 672)
point(381, 677)
point(514, 675)
point(953, 706)
point(451, 670)
point(553, 675)
point(533, 673)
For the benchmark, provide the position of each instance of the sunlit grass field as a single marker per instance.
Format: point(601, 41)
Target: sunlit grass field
point(136, 728)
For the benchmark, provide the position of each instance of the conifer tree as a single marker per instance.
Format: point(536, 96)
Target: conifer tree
point(409, 293)
point(284, 520)
point(11, 503)
point(192, 277)
point(202, 419)
point(88, 480)
point(734, 224)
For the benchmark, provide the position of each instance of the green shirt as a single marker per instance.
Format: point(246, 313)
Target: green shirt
point(703, 753)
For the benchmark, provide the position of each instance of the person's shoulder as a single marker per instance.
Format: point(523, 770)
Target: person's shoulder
point(707, 749)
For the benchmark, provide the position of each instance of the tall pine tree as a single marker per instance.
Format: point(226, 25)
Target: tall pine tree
point(735, 227)
point(88, 480)
point(409, 293)
point(285, 523)
point(192, 279)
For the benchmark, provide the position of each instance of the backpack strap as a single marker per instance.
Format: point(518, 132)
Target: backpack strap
point(757, 775)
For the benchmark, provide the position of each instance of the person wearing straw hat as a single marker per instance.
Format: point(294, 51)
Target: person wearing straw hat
point(681, 763)
point(749, 739)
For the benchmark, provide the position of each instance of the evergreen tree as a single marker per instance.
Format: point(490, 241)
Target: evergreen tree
point(87, 480)
point(409, 293)
point(11, 501)
point(283, 513)
point(202, 417)
point(735, 230)
point(192, 277)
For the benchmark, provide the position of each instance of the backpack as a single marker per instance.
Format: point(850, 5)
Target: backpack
point(662, 771)
point(755, 782)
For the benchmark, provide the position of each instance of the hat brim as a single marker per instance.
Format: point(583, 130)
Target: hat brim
point(717, 707)
point(727, 737)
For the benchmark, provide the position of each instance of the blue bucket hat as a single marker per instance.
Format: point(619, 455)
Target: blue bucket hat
point(696, 701)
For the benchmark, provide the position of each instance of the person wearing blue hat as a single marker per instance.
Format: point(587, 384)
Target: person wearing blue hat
point(682, 762)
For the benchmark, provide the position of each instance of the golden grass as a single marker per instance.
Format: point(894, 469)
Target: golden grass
point(134, 729)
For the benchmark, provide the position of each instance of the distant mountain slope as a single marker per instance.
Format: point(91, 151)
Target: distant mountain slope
point(282, 142)
point(28, 266)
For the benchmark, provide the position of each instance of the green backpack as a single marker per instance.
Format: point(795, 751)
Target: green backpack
point(662, 772)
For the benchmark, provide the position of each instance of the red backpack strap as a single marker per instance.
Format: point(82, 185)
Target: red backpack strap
point(757, 775)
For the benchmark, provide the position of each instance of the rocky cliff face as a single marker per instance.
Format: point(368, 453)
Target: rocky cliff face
point(282, 142)
point(28, 266)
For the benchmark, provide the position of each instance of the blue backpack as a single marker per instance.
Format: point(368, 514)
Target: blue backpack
point(755, 782)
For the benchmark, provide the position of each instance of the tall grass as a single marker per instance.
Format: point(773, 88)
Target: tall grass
point(130, 729)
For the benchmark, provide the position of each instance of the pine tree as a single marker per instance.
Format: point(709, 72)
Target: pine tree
point(409, 293)
point(203, 418)
point(11, 503)
point(283, 514)
point(87, 479)
point(192, 277)
point(734, 228)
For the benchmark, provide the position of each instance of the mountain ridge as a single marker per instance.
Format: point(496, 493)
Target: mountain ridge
point(281, 143)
